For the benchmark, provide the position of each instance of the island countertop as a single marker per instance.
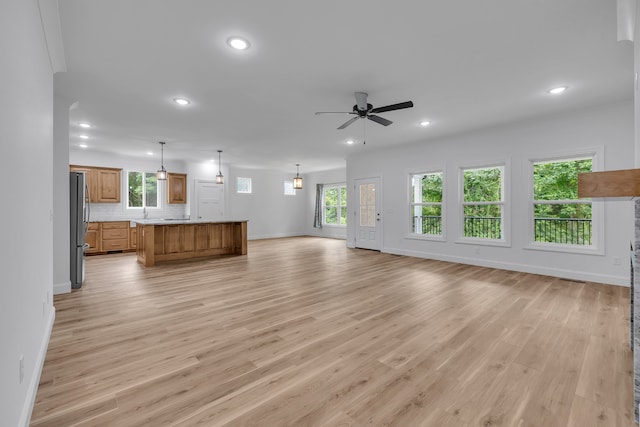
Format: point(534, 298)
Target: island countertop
point(160, 240)
point(174, 221)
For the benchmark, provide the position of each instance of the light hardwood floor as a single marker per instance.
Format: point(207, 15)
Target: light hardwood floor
point(304, 332)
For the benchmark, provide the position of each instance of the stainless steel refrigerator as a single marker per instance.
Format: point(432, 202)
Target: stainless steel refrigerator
point(79, 213)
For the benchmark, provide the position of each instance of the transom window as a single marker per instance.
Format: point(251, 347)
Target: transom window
point(288, 188)
point(142, 190)
point(426, 203)
point(483, 203)
point(559, 217)
point(243, 185)
point(334, 202)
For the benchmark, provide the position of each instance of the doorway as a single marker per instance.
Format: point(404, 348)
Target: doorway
point(209, 201)
point(368, 218)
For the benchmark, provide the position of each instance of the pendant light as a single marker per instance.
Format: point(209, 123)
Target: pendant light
point(161, 174)
point(297, 180)
point(219, 177)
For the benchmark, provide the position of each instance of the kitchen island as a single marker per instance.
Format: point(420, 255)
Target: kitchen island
point(170, 240)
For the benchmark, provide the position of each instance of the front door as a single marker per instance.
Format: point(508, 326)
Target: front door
point(209, 201)
point(368, 220)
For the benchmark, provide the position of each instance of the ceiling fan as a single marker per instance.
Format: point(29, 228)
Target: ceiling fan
point(364, 110)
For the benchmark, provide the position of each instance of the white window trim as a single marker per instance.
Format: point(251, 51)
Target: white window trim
point(158, 190)
point(505, 241)
point(285, 188)
point(324, 210)
point(250, 185)
point(428, 237)
point(597, 206)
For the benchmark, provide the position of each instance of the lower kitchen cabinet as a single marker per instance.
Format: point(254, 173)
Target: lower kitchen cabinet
point(107, 236)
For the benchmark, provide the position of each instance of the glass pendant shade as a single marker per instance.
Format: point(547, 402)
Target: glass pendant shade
point(219, 176)
point(297, 180)
point(161, 174)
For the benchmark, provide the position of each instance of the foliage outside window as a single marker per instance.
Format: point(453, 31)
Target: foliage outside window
point(334, 201)
point(243, 185)
point(142, 190)
point(483, 203)
point(288, 188)
point(559, 217)
point(426, 203)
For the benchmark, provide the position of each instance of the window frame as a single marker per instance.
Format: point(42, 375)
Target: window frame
point(434, 237)
point(339, 207)
point(292, 191)
point(597, 207)
point(505, 203)
point(238, 178)
point(144, 192)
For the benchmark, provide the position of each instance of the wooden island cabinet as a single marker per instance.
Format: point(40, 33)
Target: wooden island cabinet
point(159, 241)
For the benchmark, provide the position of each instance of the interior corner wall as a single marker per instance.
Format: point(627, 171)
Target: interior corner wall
point(608, 126)
point(26, 259)
point(270, 212)
point(334, 176)
point(61, 208)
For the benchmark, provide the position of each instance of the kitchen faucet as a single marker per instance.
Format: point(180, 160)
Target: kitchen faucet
point(144, 212)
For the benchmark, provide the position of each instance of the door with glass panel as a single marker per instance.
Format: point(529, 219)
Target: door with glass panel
point(368, 216)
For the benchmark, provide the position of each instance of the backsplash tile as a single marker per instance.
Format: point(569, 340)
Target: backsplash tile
point(115, 212)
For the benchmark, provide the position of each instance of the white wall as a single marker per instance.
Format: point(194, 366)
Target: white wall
point(334, 176)
point(609, 126)
point(26, 259)
point(269, 211)
point(119, 211)
point(61, 229)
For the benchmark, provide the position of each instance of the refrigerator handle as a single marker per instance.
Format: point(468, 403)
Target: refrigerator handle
point(86, 221)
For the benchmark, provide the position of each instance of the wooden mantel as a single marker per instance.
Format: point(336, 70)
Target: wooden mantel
point(618, 183)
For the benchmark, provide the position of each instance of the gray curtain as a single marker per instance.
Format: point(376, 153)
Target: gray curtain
point(317, 219)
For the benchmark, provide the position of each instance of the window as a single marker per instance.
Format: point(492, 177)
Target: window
point(426, 203)
point(483, 203)
point(243, 185)
point(142, 190)
point(559, 217)
point(288, 188)
point(334, 202)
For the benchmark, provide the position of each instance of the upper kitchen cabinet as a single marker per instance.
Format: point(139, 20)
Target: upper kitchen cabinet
point(176, 188)
point(103, 183)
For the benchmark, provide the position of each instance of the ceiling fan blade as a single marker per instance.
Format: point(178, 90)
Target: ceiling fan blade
point(392, 107)
point(334, 112)
point(379, 119)
point(361, 100)
point(349, 122)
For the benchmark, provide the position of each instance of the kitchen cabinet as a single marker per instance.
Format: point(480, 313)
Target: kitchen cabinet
point(103, 183)
point(176, 188)
point(93, 238)
point(115, 236)
point(133, 237)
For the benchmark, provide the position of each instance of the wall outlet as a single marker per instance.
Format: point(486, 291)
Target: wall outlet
point(21, 369)
point(616, 260)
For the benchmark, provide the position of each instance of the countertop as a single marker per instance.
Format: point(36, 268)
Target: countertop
point(181, 221)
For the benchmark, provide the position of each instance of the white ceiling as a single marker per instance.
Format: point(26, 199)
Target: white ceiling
point(465, 65)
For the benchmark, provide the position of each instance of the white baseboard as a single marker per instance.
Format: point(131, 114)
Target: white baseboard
point(533, 269)
point(30, 399)
point(275, 236)
point(62, 288)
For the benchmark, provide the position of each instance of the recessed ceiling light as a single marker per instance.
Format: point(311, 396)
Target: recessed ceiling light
point(181, 101)
point(83, 145)
point(238, 43)
point(149, 153)
point(85, 125)
point(84, 136)
point(425, 123)
point(350, 141)
point(557, 90)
